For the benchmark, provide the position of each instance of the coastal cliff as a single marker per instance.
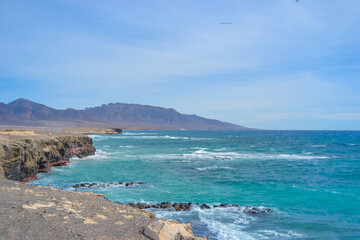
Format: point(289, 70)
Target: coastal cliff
point(21, 158)
point(30, 212)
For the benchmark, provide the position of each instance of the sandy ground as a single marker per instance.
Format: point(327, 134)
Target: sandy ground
point(33, 212)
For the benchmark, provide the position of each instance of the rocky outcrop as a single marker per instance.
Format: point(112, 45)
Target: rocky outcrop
point(103, 185)
point(170, 229)
point(22, 158)
point(188, 206)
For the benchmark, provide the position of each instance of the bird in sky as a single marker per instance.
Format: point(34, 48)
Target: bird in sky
point(225, 23)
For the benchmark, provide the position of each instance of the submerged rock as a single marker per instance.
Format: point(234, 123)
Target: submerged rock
point(255, 210)
point(222, 158)
point(205, 206)
point(103, 185)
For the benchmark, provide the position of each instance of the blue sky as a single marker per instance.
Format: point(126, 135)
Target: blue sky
point(281, 64)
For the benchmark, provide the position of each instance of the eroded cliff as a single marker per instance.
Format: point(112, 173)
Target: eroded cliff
point(21, 158)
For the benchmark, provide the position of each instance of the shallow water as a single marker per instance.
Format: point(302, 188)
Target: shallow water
point(310, 179)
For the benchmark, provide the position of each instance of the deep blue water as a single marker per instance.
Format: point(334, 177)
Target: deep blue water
point(310, 179)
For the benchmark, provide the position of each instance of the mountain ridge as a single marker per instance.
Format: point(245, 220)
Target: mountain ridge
point(27, 113)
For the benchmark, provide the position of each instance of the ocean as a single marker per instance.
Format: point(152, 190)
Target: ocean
point(309, 179)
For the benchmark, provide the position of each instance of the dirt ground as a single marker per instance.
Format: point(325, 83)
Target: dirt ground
point(33, 212)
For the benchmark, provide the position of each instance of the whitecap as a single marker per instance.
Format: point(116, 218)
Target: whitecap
point(171, 137)
point(214, 167)
point(220, 149)
point(207, 155)
point(126, 146)
point(135, 133)
point(276, 234)
point(99, 154)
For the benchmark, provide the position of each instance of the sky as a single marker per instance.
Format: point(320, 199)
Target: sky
point(280, 64)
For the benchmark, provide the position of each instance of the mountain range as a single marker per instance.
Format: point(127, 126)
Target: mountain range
point(23, 112)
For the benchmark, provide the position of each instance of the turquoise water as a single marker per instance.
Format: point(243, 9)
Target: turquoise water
point(310, 179)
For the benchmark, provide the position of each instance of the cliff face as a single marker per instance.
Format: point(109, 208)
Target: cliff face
point(21, 159)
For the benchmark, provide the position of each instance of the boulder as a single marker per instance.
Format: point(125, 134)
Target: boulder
point(170, 230)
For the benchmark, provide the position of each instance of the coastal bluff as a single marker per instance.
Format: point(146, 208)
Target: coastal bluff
point(22, 157)
point(35, 212)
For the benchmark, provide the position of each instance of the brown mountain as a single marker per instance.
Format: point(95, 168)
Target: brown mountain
point(28, 113)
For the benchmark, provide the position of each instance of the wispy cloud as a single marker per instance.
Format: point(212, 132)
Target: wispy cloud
point(278, 60)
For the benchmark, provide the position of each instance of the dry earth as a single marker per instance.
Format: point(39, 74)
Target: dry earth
point(34, 212)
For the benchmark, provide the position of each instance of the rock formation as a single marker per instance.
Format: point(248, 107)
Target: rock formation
point(22, 158)
point(170, 229)
point(188, 206)
point(103, 185)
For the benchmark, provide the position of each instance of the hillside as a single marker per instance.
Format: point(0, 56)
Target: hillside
point(27, 113)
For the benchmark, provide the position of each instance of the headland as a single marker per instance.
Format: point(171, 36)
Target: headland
point(34, 212)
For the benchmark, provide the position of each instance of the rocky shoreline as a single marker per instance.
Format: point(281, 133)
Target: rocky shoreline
point(23, 157)
point(32, 212)
point(188, 206)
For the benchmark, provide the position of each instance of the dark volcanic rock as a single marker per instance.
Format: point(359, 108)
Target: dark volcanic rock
point(188, 206)
point(103, 185)
point(255, 210)
point(205, 206)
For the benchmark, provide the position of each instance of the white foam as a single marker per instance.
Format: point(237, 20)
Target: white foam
point(276, 234)
point(170, 137)
point(200, 139)
point(295, 157)
point(214, 167)
point(214, 219)
point(319, 145)
point(136, 133)
point(126, 146)
point(149, 137)
point(204, 155)
point(99, 154)
point(207, 155)
point(220, 149)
